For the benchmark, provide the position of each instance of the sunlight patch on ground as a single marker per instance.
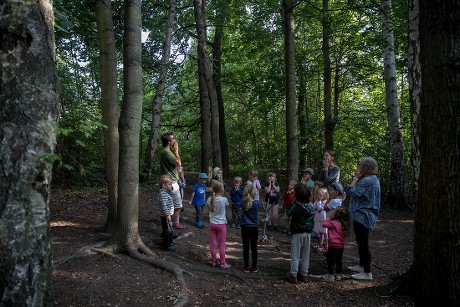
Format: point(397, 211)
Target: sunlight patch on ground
point(65, 224)
point(401, 221)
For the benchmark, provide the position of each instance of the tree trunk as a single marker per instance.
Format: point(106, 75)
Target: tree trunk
point(291, 116)
point(222, 13)
point(414, 90)
point(205, 119)
point(110, 107)
point(130, 122)
point(29, 112)
point(437, 223)
point(302, 109)
point(200, 19)
point(328, 120)
point(157, 100)
point(398, 194)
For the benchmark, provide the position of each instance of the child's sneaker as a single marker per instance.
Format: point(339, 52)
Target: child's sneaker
point(290, 277)
point(179, 226)
point(328, 277)
point(225, 266)
point(246, 269)
point(199, 224)
point(170, 247)
point(302, 278)
point(213, 263)
point(254, 269)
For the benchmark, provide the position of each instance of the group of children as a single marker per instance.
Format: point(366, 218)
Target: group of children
point(309, 208)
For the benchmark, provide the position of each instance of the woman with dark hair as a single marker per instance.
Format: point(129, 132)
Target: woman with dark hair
point(330, 172)
point(364, 207)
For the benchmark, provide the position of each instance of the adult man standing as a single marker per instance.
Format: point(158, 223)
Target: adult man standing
point(170, 164)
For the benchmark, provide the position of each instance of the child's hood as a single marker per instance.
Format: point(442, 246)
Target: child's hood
point(307, 208)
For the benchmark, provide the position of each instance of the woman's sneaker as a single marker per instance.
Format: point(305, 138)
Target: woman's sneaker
point(225, 266)
point(246, 269)
point(362, 276)
point(254, 269)
point(356, 268)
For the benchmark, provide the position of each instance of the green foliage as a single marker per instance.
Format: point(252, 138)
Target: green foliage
point(252, 81)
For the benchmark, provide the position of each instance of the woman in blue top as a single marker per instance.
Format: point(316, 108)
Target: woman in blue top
point(364, 209)
point(250, 227)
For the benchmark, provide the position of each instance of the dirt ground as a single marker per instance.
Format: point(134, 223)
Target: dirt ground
point(85, 278)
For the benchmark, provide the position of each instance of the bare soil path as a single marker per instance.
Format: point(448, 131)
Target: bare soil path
point(85, 278)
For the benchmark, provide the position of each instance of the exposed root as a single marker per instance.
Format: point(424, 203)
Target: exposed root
point(87, 250)
point(178, 271)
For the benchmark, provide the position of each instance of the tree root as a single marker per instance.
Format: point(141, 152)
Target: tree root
point(143, 253)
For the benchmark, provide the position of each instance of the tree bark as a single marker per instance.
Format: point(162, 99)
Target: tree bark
point(302, 110)
point(414, 90)
point(398, 194)
point(130, 122)
point(29, 112)
point(222, 13)
point(437, 226)
point(205, 120)
point(200, 20)
point(110, 107)
point(292, 144)
point(157, 100)
point(327, 90)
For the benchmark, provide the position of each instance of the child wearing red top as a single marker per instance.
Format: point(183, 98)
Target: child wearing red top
point(288, 198)
point(337, 229)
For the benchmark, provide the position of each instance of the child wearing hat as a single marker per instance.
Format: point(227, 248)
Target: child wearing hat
point(306, 178)
point(198, 198)
point(336, 197)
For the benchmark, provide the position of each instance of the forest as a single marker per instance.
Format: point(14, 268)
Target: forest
point(88, 87)
point(251, 87)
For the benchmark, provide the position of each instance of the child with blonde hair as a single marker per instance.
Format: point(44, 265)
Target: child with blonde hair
point(320, 197)
point(338, 226)
point(218, 223)
point(249, 227)
point(272, 189)
point(254, 181)
point(166, 211)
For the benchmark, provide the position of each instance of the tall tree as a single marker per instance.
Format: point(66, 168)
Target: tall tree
point(129, 128)
point(292, 144)
point(205, 71)
point(110, 104)
point(157, 100)
point(437, 226)
point(29, 111)
point(327, 76)
point(222, 8)
point(414, 90)
point(398, 194)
